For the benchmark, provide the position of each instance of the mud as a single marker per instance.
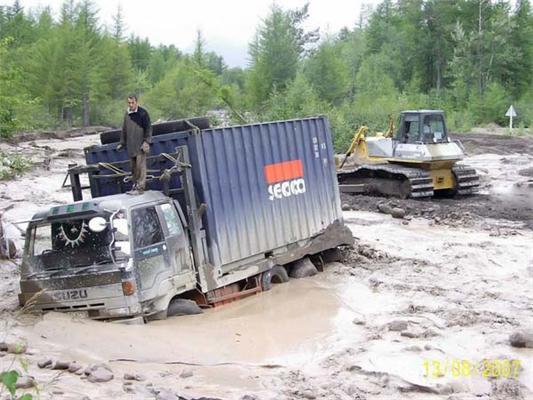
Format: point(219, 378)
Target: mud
point(482, 143)
point(450, 281)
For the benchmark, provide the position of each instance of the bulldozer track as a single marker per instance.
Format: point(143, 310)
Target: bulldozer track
point(467, 179)
point(414, 182)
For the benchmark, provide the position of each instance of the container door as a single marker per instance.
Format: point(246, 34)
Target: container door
point(176, 239)
point(151, 254)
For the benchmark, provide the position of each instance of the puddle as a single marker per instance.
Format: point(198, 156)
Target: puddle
point(294, 324)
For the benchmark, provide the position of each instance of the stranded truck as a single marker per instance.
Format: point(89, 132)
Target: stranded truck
point(229, 212)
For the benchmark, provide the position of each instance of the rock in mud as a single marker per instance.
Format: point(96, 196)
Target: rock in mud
point(99, 373)
point(521, 339)
point(346, 207)
point(308, 394)
point(397, 212)
point(506, 389)
point(384, 208)
point(16, 348)
point(3, 346)
point(61, 365)
point(45, 363)
point(186, 373)
point(128, 387)
point(134, 377)
point(415, 349)
point(74, 367)
point(397, 326)
point(25, 382)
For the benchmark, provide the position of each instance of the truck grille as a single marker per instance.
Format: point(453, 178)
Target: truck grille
point(78, 307)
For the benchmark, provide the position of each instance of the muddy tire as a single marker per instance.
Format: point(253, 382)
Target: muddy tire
point(303, 268)
point(277, 274)
point(183, 307)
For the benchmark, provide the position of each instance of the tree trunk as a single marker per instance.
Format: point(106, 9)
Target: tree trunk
point(67, 113)
point(85, 109)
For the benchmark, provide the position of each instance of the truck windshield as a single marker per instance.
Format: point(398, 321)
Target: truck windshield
point(70, 243)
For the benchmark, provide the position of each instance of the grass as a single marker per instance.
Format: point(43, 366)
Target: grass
point(13, 165)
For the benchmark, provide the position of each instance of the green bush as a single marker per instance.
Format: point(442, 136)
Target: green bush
point(13, 165)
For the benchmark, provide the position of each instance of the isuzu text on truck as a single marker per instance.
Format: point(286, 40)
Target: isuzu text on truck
point(229, 212)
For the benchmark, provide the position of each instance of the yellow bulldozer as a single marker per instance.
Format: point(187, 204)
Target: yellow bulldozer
point(417, 160)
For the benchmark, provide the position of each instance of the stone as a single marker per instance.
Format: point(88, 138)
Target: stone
point(308, 394)
point(384, 208)
point(3, 346)
point(128, 387)
point(99, 373)
point(186, 373)
point(74, 367)
point(346, 207)
point(61, 365)
point(410, 334)
point(16, 348)
point(134, 377)
point(47, 362)
point(397, 326)
point(25, 382)
point(397, 212)
point(521, 339)
point(358, 321)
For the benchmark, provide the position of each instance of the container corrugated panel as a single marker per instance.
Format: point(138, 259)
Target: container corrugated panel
point(265, 185)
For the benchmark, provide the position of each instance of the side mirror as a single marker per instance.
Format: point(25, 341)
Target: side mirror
point(121, 225)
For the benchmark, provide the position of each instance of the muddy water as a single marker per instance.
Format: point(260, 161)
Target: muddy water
point(294, 324)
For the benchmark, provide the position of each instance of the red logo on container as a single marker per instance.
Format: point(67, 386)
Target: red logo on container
point(285, 179)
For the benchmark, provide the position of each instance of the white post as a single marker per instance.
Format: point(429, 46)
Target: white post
point(511, 113)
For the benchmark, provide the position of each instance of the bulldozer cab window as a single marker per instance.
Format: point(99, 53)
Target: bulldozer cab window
point(409, 129)
point(433, 129)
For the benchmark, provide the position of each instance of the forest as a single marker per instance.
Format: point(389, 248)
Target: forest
point(471, 58)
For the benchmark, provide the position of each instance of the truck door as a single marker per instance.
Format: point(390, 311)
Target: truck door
point(176, 239)
point(151, 252)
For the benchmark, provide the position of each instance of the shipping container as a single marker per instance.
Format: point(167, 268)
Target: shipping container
point(265, 185)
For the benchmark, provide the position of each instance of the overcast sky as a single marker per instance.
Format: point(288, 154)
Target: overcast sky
point(227, 25)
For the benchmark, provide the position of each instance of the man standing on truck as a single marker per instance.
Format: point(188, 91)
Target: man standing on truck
point(136, 137)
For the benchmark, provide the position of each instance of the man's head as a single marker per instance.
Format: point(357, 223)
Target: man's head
point(132, 102)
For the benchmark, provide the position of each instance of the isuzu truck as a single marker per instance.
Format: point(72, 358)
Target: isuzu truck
point(228, 212)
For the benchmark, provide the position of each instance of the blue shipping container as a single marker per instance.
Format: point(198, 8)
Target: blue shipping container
point(266, 185)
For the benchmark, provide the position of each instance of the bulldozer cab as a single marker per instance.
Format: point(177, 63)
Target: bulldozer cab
point(422, 126)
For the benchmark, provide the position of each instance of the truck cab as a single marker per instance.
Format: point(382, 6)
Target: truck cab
point(119, 256)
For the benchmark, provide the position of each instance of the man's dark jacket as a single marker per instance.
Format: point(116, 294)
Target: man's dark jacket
point(136, 129)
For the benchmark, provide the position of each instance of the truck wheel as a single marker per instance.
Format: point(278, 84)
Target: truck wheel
point(183, 307)
point(303, 268)
point(277, 274)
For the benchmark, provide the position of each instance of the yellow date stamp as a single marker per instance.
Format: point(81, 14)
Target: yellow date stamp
point(460, 368)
